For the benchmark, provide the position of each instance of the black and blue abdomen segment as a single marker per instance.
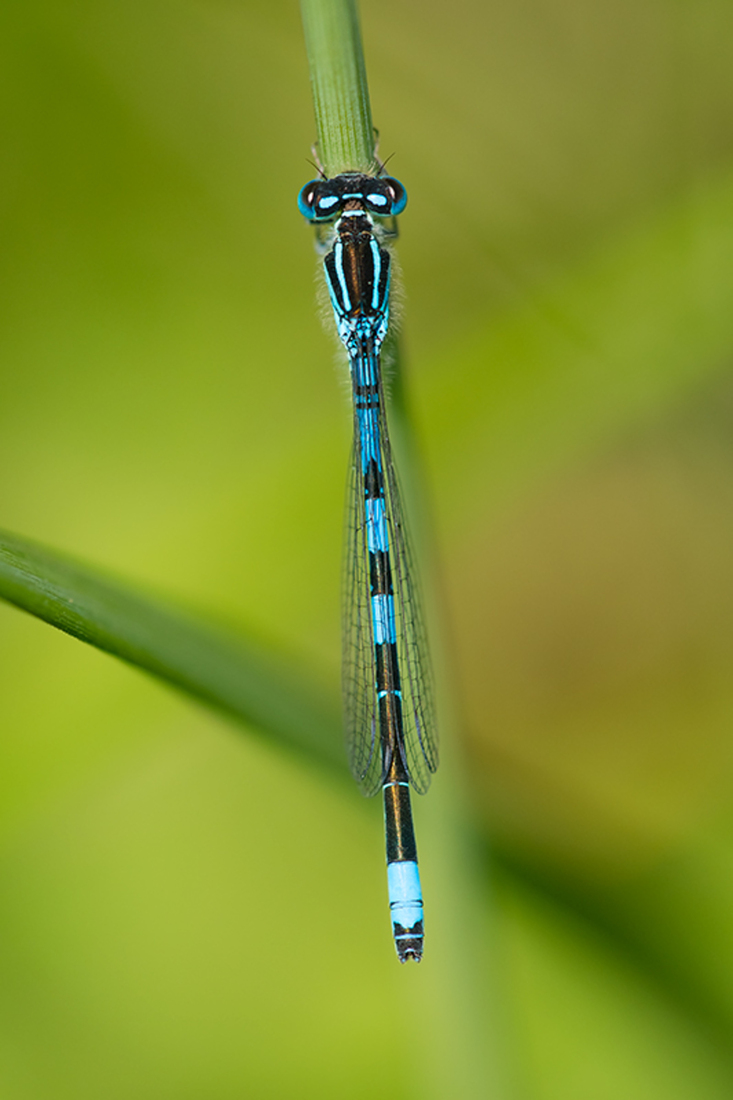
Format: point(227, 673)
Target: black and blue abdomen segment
point(403, 875)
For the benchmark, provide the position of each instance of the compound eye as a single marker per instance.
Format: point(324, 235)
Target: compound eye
point(317, 201)
point(397, 194)
point(307, 198)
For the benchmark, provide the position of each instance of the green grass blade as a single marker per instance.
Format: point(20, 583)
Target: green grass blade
point(339, 85)
point(205, 660)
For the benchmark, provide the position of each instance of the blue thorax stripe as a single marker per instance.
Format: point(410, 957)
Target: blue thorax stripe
point(339, 264)
point(376, 273)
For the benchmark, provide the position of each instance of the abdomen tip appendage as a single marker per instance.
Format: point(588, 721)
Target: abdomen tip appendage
point(409, 949)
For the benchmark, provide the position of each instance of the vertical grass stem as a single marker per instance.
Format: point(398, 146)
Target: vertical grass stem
point(339, 85)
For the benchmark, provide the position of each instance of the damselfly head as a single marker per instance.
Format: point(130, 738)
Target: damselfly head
point(324, 200)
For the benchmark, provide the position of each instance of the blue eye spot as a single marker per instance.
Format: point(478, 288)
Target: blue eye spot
point(377, 200)
point(328, 201)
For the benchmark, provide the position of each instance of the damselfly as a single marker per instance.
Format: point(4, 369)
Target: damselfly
point(390, 731)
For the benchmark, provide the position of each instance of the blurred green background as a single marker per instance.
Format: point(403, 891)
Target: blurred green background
point(171, 411)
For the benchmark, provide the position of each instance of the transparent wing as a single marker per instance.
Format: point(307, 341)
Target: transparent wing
point(359, 674)
point(420, 737)
point(419, 747)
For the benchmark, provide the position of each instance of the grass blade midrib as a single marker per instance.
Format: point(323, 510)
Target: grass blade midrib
point(221, 667)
